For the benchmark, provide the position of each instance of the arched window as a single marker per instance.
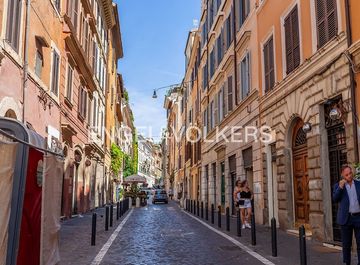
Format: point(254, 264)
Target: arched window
point(10, 114)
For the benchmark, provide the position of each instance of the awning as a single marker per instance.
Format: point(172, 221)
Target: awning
point(134, 179)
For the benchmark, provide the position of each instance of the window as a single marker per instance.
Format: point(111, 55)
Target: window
point(39, 63)
point(205, 76)
point(326, 20)
point(224, 104)
point(228, 31)
point(216, 110)
point(57, 5)
point(72, 10)
point(292, 41)
point(219, 49)
point(94, 120)
point(220, 105)
point(212, 63)
point(69, 82)
point(205, 122)
point(13, 23)
point(211, 115)
point(230, 93)
point(244, 10)
point(82, 104)
point(55, 67)
point(269, 71)
point(245, 76)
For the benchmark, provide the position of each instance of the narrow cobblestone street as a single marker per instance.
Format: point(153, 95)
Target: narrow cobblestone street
point(164, 234)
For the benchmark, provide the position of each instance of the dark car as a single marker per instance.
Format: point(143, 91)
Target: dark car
point(160, 196)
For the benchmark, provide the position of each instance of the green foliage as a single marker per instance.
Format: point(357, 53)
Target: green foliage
point(128, 166)
point(135, 152)
point(116, 159)
point(126, 96)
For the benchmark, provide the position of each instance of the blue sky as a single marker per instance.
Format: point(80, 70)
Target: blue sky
point(154, 34)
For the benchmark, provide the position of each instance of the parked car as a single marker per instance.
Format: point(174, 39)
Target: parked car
point(160, 196)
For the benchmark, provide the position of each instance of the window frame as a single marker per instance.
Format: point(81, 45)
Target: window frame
point(69, 96)
point(271, 35)
point(55, 50)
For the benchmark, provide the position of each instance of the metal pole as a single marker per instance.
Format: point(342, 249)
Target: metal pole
point(227, 219)
point(198, 208)
point(207, 212)
point(121, 208)
point(212, 214)
point(107, 218)
point(302, 236)
point(253, 230)
point(219, 216)
point(202, 209)
point(93, 229)
point(273, 237)
point(191, 204)
point(117, 210)
point(111, 214)
point(238, 218)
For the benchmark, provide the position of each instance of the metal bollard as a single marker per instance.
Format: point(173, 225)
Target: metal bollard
point(238, 219)
point(253, 230)
point(191, 206)
point(202, 209)
point(212, 214)
point(219, 217)
point(198, 208)
point(227, 219)
point(121, 209)
point(302, 236)
point(194, 207)
point(93, 229)
point(107, 210)
point(111, 214)
point(117, 211)
point(273, 237)
point(207, 212)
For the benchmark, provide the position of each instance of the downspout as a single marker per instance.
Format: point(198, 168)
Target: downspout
point(235, 59)
point(26, 55)
point(352, 81)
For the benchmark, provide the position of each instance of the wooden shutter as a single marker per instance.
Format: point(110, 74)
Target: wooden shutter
point(224, 97)
point(326, 20)
point(216, 110)
point(247, 156)
point(230, 93)
point(292, 41)
point(55, 73)
point(269, 65)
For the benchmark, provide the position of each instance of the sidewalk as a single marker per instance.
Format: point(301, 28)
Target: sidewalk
point(288, 245)
point(75, 237)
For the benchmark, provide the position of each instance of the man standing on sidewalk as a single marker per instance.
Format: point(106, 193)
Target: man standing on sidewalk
point(347, 194)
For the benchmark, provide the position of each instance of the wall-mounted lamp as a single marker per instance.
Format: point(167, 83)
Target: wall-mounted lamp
point(307, 127)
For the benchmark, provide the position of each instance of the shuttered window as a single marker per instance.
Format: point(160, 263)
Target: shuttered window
point(39, 63)
point(13, 23)
point(72, 10)
point(69, 84)
point(269, 65)
point(205, 76)
point(216, 110)
point(211, 114)
point(230, 93)
point(247, 156)
point(224, 104)
point(326, 20)
point(245, 76)
point(220, 106)
point(212, 63)
point(292, 40)
point(219, 49)
point(82, 104)
point(55, 73)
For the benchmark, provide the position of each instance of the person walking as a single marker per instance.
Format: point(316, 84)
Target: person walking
point(347, 194)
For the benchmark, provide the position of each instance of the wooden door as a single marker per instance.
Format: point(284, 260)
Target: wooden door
point(300, 176)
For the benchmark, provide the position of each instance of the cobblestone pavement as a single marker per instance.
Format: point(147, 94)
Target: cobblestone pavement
point(164, 234)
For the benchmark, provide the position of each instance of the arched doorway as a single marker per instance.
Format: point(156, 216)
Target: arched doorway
point(300, 174)
point(10, 114)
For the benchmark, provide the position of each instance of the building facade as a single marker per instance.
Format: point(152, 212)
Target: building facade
point(291, 78)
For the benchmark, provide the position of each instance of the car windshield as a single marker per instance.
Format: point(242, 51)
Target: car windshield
point(160, 192)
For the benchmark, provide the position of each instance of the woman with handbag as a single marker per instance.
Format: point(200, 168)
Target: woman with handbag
point(239, 202)
point(245, 207)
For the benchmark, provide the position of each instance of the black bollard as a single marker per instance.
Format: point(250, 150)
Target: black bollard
point(238, 219)
point(198, 208)
point(121, 209)
point(302, 236)
point(194, 207)
point(219, 217)
point(206, 212)
point(212, 214)
point(93, 229)
point(107, 218)
point(191, 206)
point(202, 209)
point(117, 210)
point(227, 219)
point(273, 237)
point(253, 230)
point(111, 214)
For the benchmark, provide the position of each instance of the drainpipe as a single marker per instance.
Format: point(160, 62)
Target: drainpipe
point(235, 59)
point(26, 55)
point(352, 81)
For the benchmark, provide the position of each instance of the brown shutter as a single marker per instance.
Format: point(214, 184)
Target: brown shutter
point(269, 65)
point(326, 16)
point(247, 156)
point(230, 93)
point(292, 40)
